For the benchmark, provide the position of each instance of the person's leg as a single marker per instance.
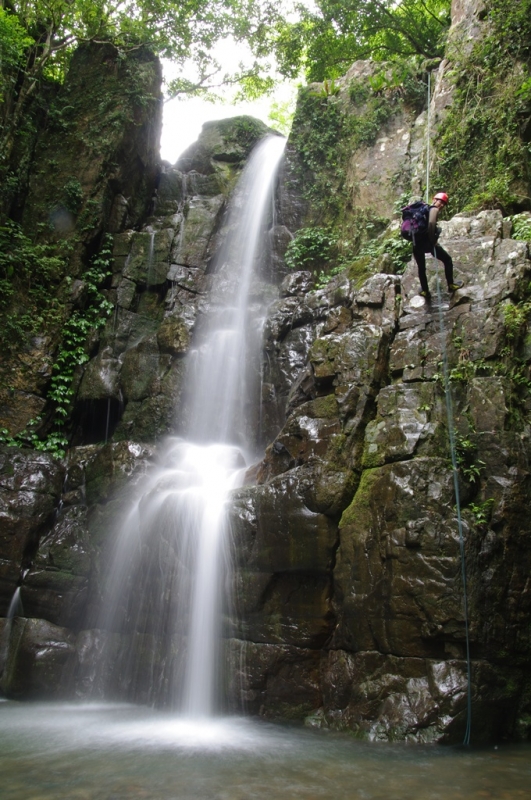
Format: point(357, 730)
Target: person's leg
point(446, 259)
point(420, 257)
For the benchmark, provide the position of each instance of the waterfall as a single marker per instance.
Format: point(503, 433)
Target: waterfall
point(165, 583)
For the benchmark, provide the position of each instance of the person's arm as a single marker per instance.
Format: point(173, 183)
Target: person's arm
point(432, 224)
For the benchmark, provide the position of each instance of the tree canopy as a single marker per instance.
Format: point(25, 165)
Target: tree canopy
point(38, 37)
point(326, 40)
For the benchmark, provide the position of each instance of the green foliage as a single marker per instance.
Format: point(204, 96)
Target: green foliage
point(310, 248)
point(496, 194)
point(515, 318)
point(469, 466)
point(327, 130)
point(481, 512)
point(281, 116)
point(14, 41)
point(246, 130)
point(54, 443)
point(37, 41)
point(389, 243)
point(377, 109)
point(521, 227)
point(334, 33)
point(512, 366)
point(379, 96)
point(483, 147)
point(319, 136)
point(72, 353)
point(72, 195)
point(28, 272)
point(328, 89)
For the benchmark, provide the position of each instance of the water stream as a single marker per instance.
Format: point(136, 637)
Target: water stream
point(164, 587)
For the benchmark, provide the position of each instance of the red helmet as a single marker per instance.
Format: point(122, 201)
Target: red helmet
point(441, 196)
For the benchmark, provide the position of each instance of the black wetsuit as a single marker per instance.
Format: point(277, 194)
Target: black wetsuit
point(420, 248)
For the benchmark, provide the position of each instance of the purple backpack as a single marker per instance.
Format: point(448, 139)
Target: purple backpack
point(415, 218)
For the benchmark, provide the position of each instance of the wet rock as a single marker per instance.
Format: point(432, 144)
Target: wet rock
point(56, 587)
point(149, 257)
point(170, 192)
point(113, 465)
point(30, 487)
point(403, 425)
point(276, 682)
point(413, 594)
point(296, 283)
point(101, 378)
point(40, 662)
point(142, 370)
point(383, 697)
point(227, 140)
point(284, 551)
point(202, 215)
point(173, 336)
point(81, 167)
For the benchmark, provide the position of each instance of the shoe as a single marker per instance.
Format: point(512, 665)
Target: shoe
point(452, 287)
point(426, 296)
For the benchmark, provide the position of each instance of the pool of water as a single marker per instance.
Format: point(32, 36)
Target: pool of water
point(55, 751)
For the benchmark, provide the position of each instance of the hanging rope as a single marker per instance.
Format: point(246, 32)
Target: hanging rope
point(451, 437)
point(428, 142)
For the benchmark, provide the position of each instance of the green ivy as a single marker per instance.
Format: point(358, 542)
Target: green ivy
point(72, 353)
point(54, 443)
point(29, 271)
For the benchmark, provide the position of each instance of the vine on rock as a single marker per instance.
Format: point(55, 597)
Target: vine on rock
point(72, 354)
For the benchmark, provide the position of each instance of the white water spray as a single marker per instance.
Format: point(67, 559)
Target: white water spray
point(165, 586)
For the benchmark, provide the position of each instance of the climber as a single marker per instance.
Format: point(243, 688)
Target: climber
point(426, 242)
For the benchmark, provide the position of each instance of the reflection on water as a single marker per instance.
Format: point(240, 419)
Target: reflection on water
point(110, 752)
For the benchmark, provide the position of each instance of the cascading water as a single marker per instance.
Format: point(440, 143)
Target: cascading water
point(165, 584)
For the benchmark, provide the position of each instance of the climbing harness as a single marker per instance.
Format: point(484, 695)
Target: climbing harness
point(451, 437)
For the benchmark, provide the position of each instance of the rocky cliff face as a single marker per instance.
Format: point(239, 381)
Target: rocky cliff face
point(348, 594)
point(92, 166)
point(348, 563)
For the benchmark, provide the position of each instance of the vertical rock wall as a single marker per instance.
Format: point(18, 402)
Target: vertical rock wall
point(348, 560)
point(93, 170)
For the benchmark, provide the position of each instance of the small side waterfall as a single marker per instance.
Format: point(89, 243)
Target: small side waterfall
point(170, 562)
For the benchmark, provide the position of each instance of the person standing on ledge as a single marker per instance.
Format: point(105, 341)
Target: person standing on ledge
point(426, 242)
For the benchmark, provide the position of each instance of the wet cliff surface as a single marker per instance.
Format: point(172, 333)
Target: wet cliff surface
point(348, 591)
point(347, 586)
point(348, 563)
